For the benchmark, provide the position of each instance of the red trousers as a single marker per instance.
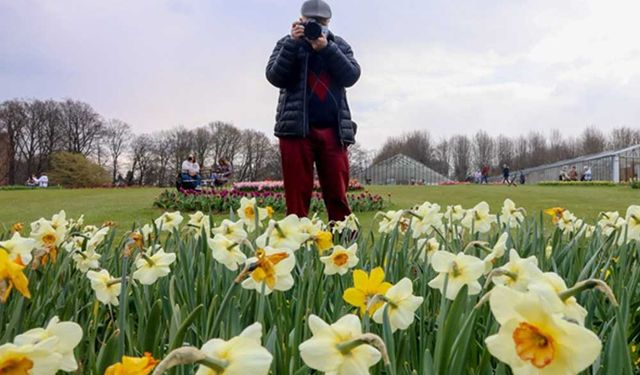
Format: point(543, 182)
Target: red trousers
point(332, 163)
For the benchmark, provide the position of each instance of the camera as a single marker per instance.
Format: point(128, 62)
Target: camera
point(313, 29)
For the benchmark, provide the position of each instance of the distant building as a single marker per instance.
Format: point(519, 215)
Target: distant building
point(4, 158)
point(400, 170)
point(616, 166)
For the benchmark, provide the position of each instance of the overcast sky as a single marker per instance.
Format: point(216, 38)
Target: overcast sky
point(447, 66)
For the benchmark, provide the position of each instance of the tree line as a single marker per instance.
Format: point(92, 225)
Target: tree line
point(37, 129)
point(459, 155)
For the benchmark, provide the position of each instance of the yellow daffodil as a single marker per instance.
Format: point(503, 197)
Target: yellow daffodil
point(401, 305)
point(323, 240)
point(133, 365)
point(454, 213)
point(19, 247)
point(479, 218)
point(365, 287)
point(511, 215)
point(427, 219)
point(461, 269)
point(427, 248)
point(242, 355)
point(11, 276)
point(152, 265)
point(497, 252)
point(107, 289)
point(169, 221)
point(518, 273)
point(340, 260)
point(270, 270)
point(534, 340)
point(335, 349)
point(633, 223)
point(233, 231)
point(226, 252)
point(248, 212)
point(555, 213)
point(67, 334)
point(286, 233)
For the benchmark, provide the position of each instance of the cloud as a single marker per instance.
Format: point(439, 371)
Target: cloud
point(448, 67)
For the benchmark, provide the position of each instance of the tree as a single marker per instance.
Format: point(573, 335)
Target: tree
point(482, 148)
point(623, 137)
point(140, 158)
point(461, 150)
point(505, 150)
point(13, 119)
point(201, 144)
point(593, 141)
point(117, 137)
point(225, 140)
point(81, 125)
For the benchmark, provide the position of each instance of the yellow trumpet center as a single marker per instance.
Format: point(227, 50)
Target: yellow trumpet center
point(49, 239)
point(340, 259)
point(265, 271)
point(249, 212)
point(16, 365)
point(532, 345)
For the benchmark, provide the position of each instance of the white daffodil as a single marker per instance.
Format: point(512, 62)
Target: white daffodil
point(241, 355)
point(271, 270)
point(46, 235)
point(59, 220)
point(169, 221)
point(107, 289)
point(479, 218)
point(454, 213)
point(285, 233)
point(568, 222)
point(549, 288)
point(234, 231)
point(199, 222)
point(249, 211)
point(461, 269)
point(68, 335)
point(633, 223)
point(428, 219)
point(97, 238)
point(147, 232)
point(340, 260)
point(86, 260)
point(534, 340)
point(350, 222)
point(511, 215)
point(19, 247)
point(427, 248)
point(39, 359)
point(497, 252)
point(90, 230)
point(226, 252)
point(152, 265)
point(518, 272)
point(611, 222)
point(390, 220)
point(334, 349)
point(401, 305)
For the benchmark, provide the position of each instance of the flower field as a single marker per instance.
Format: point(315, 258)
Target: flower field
point(354, 185)
point(434, 290)
point(223, 201)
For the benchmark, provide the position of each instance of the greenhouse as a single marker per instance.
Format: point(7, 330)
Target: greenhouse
point(616, 166)
point(401, 170)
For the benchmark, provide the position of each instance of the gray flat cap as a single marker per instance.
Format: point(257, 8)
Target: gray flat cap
point(316, 9)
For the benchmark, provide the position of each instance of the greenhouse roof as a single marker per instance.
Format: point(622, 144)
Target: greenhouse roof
point(584, 158)
point(403, 161)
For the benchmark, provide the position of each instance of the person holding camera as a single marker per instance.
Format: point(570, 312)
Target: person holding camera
point(312, 67)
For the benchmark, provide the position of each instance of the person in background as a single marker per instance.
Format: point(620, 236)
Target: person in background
point(477, 176)
point(221, 172)
point(586, 174)
point(32, 181)
point(312, 67)
point(564, 174)
point(43, 181)
point(485, 174)
point(523, 178)
point(190, 170)
point(573, 174)
point(505, 174)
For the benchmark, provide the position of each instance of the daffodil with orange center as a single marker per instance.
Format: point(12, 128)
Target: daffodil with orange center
point(555, 213)
point(15, 364)
point(270, 270)
point(133, 365)
point(11, 276)
point(340, 260)
point(534, 339)
point(365, 288)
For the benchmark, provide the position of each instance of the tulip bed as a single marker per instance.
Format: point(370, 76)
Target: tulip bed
point(433, 291)
point(222, 201)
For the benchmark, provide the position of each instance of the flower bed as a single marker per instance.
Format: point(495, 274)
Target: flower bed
point(577, 183)
point(354, 185)
point(430, 291)
point(224, 200)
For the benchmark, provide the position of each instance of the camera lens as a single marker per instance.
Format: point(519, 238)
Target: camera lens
point(312, 30)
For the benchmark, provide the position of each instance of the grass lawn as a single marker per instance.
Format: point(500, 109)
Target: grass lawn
point(123, 206)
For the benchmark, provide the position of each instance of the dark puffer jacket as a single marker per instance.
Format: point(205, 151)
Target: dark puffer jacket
point(287, 70)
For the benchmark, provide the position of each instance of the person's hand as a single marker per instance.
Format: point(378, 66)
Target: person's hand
point(319, 43)
point(297, 30)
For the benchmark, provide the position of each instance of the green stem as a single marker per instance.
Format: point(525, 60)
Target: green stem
point(221, 309)
point(122, 323)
